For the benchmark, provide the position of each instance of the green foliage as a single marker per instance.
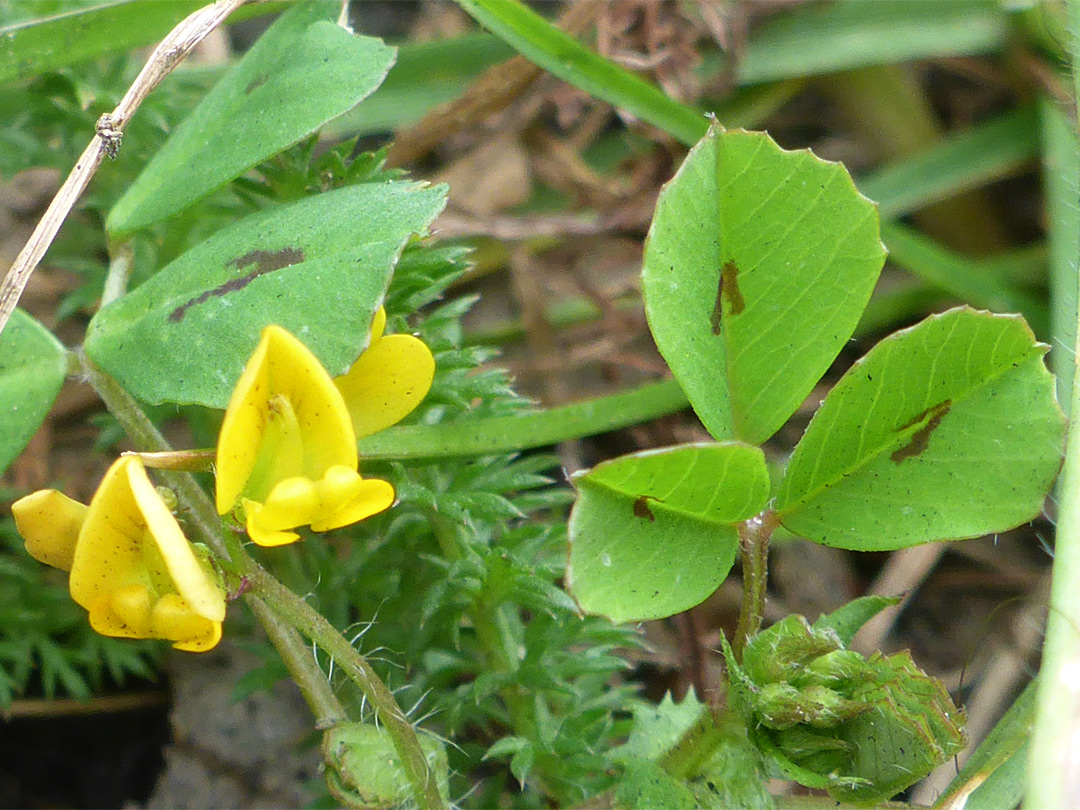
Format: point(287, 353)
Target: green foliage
point(293, 265)
point(654, 532)
point(46, 645)
point(758, 265)
point(949, 429)
point(304, 71)
point(363, 768)
point(33, 365)
point(861, 728)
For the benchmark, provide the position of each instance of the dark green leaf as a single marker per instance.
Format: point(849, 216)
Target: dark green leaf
point(33, 365)
point(318, 267)
point(302, 72)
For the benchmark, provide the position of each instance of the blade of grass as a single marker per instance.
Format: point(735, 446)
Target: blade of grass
point(563, 56)
point(1054, 764)
point(1061, 172)
point(853, 33)
point(984, 779)
point(961, 162)
point(968, 279)
point(521, 432)
point(39, 46)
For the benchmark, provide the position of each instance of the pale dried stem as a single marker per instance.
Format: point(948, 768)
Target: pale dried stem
point(110, 129)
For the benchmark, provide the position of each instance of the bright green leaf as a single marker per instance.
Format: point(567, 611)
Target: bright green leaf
point(653, 533)
point(302, 72)
point(658, 727)
point(942, 431)
point(33, 365)
point(318, 267)
point(758, 265)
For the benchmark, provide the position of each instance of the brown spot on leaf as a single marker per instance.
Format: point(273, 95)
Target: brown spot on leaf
point(920, 439)
point(642, 510)
point(256, 83)
point(265, 261)
point(727, 287)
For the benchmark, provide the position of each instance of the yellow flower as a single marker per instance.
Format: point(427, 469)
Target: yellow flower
point(287, 448)
point(131, 566)
point(387, 381)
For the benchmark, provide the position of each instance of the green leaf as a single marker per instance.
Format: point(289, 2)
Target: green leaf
point(318, 267)
point(34, 47)
point(946, 430)
point(33, 365)
point(757, 267)
point(561, 55)
point(302, 72)
point(653, 533)
point(658, 727)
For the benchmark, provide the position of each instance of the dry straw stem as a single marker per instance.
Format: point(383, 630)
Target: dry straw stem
point(110, 129)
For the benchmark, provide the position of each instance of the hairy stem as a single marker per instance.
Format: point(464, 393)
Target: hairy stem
point(295, 612)
point(312, 624)
point(301, 665)
point(754, 536)
point(1054, 762)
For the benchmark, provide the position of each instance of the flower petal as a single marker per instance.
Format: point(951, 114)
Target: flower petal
point(108, 555)
point(49, 522)
point(281, 367)
point(200, 590)
point(105, 620)
point(175, 620)
point(372, 496)
point(386, 382)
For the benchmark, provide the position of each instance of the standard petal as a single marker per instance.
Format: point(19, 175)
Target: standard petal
point(108, 555)
point(49, 521)
point(386, 382)
point(281, 371)
point(242, 428)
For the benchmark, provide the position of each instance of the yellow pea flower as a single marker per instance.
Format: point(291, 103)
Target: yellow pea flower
point(287, 448)
point(131, 566)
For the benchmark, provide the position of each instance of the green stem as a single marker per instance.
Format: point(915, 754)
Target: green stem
point(312, 624)
point(146, 437)
point(287, 605)
point(301, 665)
point(754, 536)
point(1053, 762)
